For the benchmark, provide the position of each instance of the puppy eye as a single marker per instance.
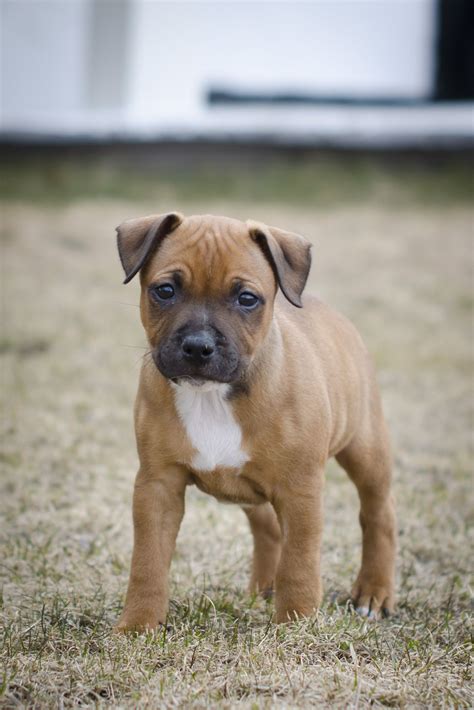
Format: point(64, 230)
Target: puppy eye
point(248, 299)
point(163, 292)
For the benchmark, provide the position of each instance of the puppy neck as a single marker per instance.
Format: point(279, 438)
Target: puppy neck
point(210, 425)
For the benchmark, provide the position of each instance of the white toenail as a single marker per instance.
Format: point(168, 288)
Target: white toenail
point(363, 610)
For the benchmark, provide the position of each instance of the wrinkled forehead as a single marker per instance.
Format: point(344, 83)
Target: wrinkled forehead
point(211, 253)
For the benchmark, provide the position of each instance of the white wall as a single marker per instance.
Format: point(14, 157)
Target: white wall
point(346, 47)
point(143, 68)
point(42, 57)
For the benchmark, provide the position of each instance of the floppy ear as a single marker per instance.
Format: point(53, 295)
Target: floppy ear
point(138, 239)
point(289, 256)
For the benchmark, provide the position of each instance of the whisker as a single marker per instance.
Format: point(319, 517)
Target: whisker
point(146, 358)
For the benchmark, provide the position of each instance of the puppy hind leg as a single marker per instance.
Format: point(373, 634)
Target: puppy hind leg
point(266, 534)
point(367, 460)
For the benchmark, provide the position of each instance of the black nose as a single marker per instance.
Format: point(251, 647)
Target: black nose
point(198, 347)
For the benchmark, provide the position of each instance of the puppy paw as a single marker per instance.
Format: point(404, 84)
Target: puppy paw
point(372, 601)
point(368, 613)
point(133, 629)
point(264, 589)
point(137, 626)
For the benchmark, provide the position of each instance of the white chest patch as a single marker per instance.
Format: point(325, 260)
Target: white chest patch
point(210, 425)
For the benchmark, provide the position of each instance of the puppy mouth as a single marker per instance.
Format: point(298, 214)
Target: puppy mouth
point(201, 380)
point(196, 377)
point(194, 381)
point(200, 383)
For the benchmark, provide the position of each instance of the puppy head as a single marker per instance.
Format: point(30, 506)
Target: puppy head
point(208, 288)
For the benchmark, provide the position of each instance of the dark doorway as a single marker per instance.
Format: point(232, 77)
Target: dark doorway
point(455, 51)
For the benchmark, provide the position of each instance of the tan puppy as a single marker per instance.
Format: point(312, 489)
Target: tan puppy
point(247, 397)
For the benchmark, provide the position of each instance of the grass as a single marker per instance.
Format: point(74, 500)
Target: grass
point(70, 354)
point(323, 180)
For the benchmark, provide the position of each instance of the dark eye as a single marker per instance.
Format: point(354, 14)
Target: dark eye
point(163, 292)
point(248, 299)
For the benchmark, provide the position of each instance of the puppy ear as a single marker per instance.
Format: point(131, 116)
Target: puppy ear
point(289, 256)
point(138, 239)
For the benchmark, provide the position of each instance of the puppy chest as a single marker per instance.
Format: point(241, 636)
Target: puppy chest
point(210, 427)
point(228, 487)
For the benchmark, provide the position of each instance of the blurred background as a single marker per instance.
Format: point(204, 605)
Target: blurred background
point(151, 84)
point(330, 72)
point(348, 121)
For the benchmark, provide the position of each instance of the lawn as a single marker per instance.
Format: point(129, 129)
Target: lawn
point(393, 251)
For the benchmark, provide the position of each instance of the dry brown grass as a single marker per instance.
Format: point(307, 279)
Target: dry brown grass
point(70, 357)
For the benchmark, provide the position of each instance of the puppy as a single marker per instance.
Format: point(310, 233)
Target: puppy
point(248, 391)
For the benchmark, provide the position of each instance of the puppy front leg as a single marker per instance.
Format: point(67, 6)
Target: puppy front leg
point(158, 508)
point(298, 589)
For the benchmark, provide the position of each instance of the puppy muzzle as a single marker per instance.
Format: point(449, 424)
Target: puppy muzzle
point(198, 356)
